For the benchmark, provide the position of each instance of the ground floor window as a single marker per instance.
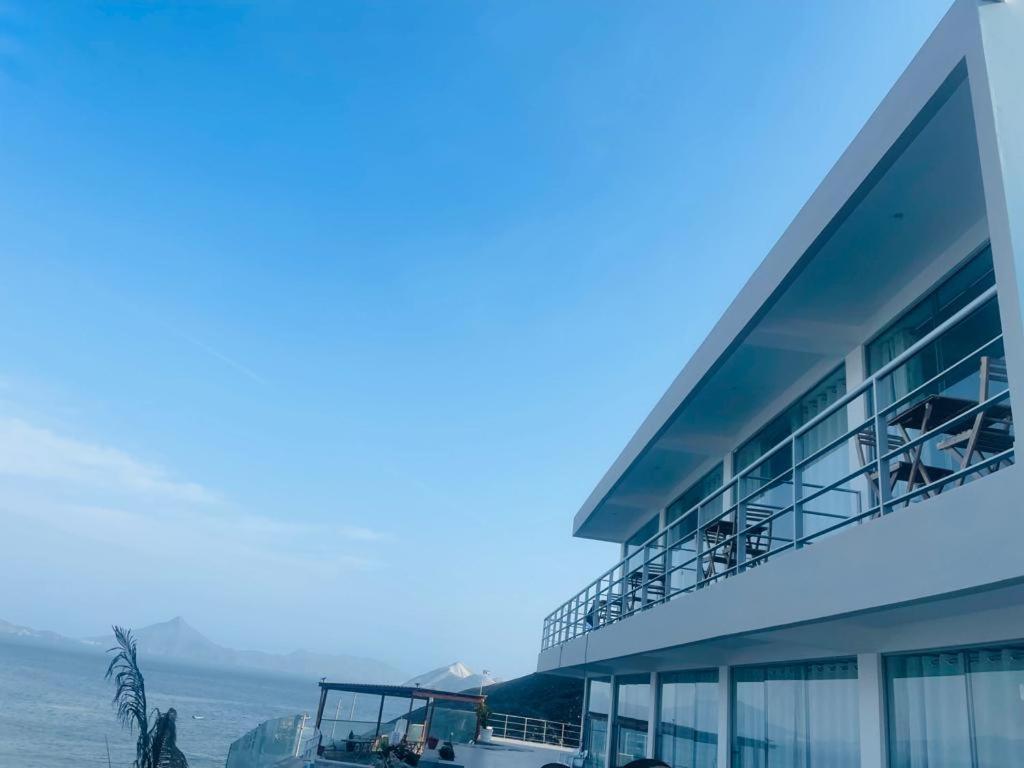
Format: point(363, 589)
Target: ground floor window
point(595, 724)
point(796, 716)
point(688, 719)
point(632, 715)
point(958, 708)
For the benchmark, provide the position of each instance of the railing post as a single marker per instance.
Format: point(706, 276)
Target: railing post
point(741, 525)
point(881, 449)
point(544, 733)
point(698, 566)
point(561, 740)
point(644, 574)
point(798, 492)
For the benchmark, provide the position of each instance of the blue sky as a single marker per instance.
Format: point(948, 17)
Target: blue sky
point(321, 310)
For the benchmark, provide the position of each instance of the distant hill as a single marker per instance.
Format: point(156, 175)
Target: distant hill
point(28, 636)
point(177, 640)
point(455, 677)
point(550, 697)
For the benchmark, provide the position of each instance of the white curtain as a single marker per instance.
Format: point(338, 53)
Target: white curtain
point(957, 710)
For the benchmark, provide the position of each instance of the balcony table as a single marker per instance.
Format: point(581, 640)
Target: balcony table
point(931, 412)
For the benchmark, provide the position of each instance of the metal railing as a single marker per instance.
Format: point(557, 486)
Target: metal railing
point(535, 730)
point(825, 476)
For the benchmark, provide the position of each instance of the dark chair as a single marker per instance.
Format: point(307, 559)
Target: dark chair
point(991, 431)
point(647, 762)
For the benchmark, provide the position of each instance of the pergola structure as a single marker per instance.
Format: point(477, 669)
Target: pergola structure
point(366, 712)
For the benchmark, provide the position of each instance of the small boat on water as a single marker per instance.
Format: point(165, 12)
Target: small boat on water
point(198, 717)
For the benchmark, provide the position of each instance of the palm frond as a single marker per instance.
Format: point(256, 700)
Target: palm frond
point(163, 741)
point(130, 692)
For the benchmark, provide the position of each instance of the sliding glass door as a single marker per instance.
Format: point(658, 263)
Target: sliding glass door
point(632, 715)
point(595, 723)
point(796, 716)
point(960, 709)
point(688, 719)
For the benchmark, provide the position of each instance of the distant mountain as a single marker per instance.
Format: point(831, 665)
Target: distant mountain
point(549, 697)
point(455, 677)
point(176, 639)
point(13, 632)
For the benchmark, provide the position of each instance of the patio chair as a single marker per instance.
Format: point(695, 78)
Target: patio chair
point(991, 431)
point(901, 470)
point(721, 543)
point(655, 584)
point(602, 611)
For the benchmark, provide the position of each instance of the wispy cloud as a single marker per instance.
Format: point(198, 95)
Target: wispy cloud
point(33, 452)
point(101, 494)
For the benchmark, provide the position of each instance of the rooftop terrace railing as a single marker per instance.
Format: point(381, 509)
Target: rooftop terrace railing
point(536, 730)
point(939, 428)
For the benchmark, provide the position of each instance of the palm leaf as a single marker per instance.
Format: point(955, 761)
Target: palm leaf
point(130, 693)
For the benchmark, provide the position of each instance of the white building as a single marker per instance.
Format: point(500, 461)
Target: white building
point(790, 594)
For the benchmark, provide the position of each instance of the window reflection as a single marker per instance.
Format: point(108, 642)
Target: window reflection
point(632, 715)
point(688, 719)
point(961, 708)
point(796, 716)
point(595, 726)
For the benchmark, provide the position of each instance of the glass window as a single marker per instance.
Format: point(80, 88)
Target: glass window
point(595, 726)
point(958, 290)
point(814, 401)
point(960, 708)
point(796, 716)
point(688, 719)
point(634, 542)
point(645, 532)
point(453, 721)
point(700, 490)
point(632, 714)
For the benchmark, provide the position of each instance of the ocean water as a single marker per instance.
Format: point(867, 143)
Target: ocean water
point(55, 708)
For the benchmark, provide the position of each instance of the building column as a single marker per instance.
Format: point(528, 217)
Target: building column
point(724, 717)
point(609, 742)
point(855, 366)
point(995, 67)
point(871, 694)
point(652, 720)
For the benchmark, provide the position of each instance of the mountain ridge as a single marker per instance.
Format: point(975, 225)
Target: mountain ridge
point(176, 639)
point(455, 678)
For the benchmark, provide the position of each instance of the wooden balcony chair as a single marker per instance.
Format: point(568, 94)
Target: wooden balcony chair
point(907, 469)
point(991, 430)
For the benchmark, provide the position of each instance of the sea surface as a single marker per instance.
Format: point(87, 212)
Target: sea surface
point(55, 707)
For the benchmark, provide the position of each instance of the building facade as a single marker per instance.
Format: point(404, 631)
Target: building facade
point(821, 521)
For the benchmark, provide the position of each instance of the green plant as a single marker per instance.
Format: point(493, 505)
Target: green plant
point(483, 714)
point(130, 693)
point(156, 747)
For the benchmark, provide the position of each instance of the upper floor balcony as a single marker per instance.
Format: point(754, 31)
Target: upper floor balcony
point(860, 372)
point(943, 412)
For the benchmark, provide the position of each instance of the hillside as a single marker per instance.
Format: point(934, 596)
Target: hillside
point(176, 639)
point(550, 697)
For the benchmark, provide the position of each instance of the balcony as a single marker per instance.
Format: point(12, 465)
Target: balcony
point(942, 409)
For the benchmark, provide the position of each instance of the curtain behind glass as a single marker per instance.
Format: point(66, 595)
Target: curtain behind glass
point(688, 719)
point(632, 714)
point(797, 716)
point(595, 726)
point(956, 709)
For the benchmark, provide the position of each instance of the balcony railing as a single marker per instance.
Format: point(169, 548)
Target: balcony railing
point(940, 428)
